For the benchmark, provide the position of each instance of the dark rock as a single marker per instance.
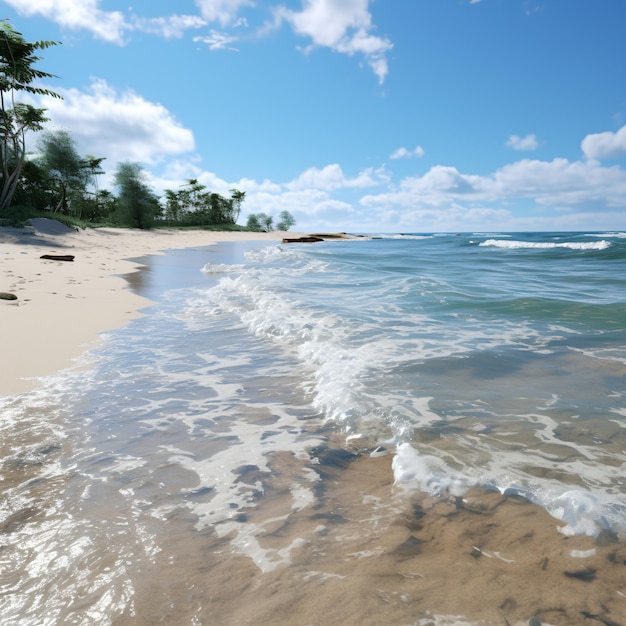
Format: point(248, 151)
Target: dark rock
point(302, 240)
point(7, 296)
point(57, 257)
point(586, 575)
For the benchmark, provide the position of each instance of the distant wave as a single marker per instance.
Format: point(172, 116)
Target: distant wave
point(547, 245)
point(615, 234)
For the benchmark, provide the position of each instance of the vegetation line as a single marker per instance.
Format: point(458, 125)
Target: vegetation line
point(58, 182)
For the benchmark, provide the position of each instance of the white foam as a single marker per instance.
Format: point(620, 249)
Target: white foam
point(547, 245)
point(427, 473)
point(617, 235)
point(582, 554)
point(582, 512)
point(221, 268)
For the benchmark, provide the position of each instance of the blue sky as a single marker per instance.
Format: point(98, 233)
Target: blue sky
point(356, 115)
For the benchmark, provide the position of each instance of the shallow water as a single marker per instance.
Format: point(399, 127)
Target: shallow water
point(331, 434)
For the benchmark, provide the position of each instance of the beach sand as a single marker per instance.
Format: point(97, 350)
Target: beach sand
point(61, 306)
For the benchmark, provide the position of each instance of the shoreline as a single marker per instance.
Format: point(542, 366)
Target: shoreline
point(63, 306)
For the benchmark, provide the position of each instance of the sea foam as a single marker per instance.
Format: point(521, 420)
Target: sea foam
point(546, 245)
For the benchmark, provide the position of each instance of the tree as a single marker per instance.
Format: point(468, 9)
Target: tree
point(60, 157)
point(192, 204)
point(286, 221)
point(173, 208)
point(137, 204)
point(17, 73)
point(34, 187)
point(91, 165)
point(266, 222)
point(260, 221)
point(253, 222)
point(237, 197)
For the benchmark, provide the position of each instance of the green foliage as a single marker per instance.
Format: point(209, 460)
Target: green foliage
point(137, 204)
point(237, 197)
point(66, 168)
point(193, 205)
point(253, 222)
point(35, 187)
point(15, 216)
point(261, 221)
point(17, 74)
point(286, 221)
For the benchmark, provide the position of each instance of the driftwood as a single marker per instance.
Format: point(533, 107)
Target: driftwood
point(7, 296)
point(58, 257)
point(302, 240)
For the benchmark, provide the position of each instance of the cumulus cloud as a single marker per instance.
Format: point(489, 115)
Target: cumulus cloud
point(556, 183)
point(345, 27)
point(331, 177)
point(560, 194)
point(523, 143)
point(223, 11)
point(109, 26)
point(341, 26)
point(404, 153)
point(605, 145)
point(113, 26)
point(121, 126)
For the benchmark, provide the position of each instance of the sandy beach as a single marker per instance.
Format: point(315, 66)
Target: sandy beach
point(61, 306)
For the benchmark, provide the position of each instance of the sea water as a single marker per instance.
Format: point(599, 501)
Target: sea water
point(491, 361)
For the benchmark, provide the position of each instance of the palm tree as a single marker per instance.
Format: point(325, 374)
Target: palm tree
point(17, 57)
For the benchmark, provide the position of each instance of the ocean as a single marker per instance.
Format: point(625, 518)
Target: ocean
point(399, 429)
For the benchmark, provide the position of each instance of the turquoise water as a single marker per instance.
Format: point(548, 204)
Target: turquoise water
point(489, 360)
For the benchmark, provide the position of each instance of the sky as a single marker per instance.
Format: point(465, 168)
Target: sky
point(365, 116)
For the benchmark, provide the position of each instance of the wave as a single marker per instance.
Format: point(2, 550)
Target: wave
point(366, 347)
point(617, 235)
point(546, 245)
point(582, 512)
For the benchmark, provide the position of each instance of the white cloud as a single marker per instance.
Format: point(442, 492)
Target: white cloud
point(561, 182)
point(331, 177)
point(341, 26)
point(218, 41)
point(304, 202)
point(222, 11)
point(119, 126)
point(605, 145)
point(109, 26)
point(523, 143)
point(404, 153)
point(112, 26)
point(545, 184)
point(344, 26)
point(525, 195)
point(171, 27)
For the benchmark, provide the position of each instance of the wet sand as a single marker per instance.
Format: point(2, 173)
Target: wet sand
point(366, 553)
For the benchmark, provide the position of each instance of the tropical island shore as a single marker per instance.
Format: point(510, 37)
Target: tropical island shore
point(61, 306)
